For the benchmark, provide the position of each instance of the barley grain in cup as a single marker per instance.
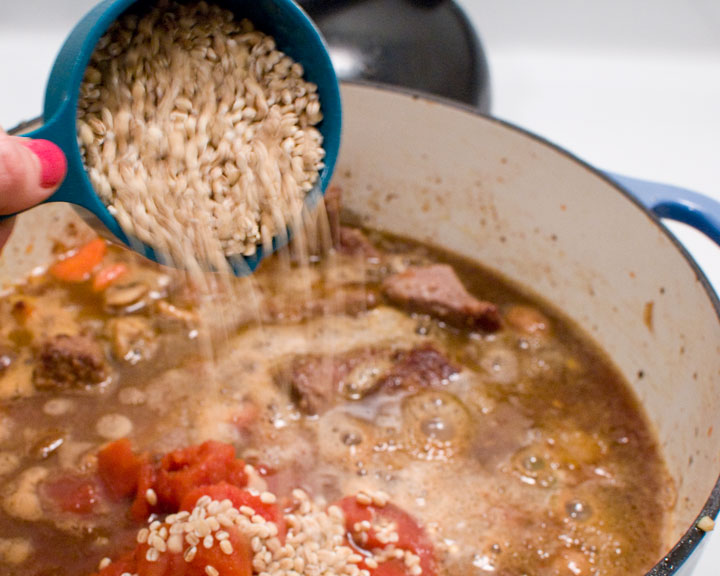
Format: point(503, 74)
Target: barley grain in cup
point(197, 133)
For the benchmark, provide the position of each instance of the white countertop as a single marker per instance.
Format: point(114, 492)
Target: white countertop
point(632, 87)
point(629, 86)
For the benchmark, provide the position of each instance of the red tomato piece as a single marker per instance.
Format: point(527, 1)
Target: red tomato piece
point(238, 563)
point(119, 468)
point(147, 478)
point(179, 472)
point(72, 493)
point(411, 536)
point(239, 497)
point(183, 470)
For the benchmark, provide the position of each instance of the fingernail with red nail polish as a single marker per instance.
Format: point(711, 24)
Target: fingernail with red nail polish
point(52, 161)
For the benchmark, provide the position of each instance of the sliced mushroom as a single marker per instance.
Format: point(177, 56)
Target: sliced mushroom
point(528, 320)
point(46, 443)
point(174, 313)
point(133, 338)
point(23, 501)
point(15, 550)
point(126, 295)
point(9, 462)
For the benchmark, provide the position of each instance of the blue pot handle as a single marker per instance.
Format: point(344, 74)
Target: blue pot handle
point(665, 201)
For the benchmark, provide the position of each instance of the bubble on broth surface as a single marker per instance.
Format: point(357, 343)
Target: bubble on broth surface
point(438, 428)
point(578, 510)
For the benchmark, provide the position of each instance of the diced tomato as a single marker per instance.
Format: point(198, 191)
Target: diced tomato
point(411, 536)
point(238, 563)
point(125, 474)
point(72, 493)
point(147, 478)
point(183, 470)
point(239, 497)
point(178, 473)
point(119, 468)
point(79, 264)
point(107, 275)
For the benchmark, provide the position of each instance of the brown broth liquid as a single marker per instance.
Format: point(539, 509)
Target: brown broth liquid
point(534, 459)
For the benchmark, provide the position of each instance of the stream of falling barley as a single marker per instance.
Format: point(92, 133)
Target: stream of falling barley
point(201, 138)
point(227, 305)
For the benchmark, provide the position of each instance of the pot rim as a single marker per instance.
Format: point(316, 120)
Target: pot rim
point(693, 536)
point(690, 540)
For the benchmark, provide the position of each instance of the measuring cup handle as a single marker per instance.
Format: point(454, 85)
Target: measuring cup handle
point(76, 188)
point(32, 168)
point(56, 132)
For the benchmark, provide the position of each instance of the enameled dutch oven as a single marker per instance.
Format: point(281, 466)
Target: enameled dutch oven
point(445, 175)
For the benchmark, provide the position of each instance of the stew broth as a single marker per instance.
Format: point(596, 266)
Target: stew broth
point(512, 442)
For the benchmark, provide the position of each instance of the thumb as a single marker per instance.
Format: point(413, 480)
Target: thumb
point(30, 170)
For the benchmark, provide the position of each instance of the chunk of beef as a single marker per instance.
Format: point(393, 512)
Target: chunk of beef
point(354, 242)
point(436, 290)
point(346, 240)
point(313, 383)
point(317, 382)
point(69, 362)
point(421, 367)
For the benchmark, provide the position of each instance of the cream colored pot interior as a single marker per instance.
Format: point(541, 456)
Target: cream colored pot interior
point(495, 195)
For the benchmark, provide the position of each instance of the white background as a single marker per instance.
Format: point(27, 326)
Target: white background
point(631, 86)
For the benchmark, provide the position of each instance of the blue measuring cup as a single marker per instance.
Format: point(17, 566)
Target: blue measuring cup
point(294, 33)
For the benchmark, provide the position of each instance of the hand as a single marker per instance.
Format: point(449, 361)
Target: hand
point(30, 170)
